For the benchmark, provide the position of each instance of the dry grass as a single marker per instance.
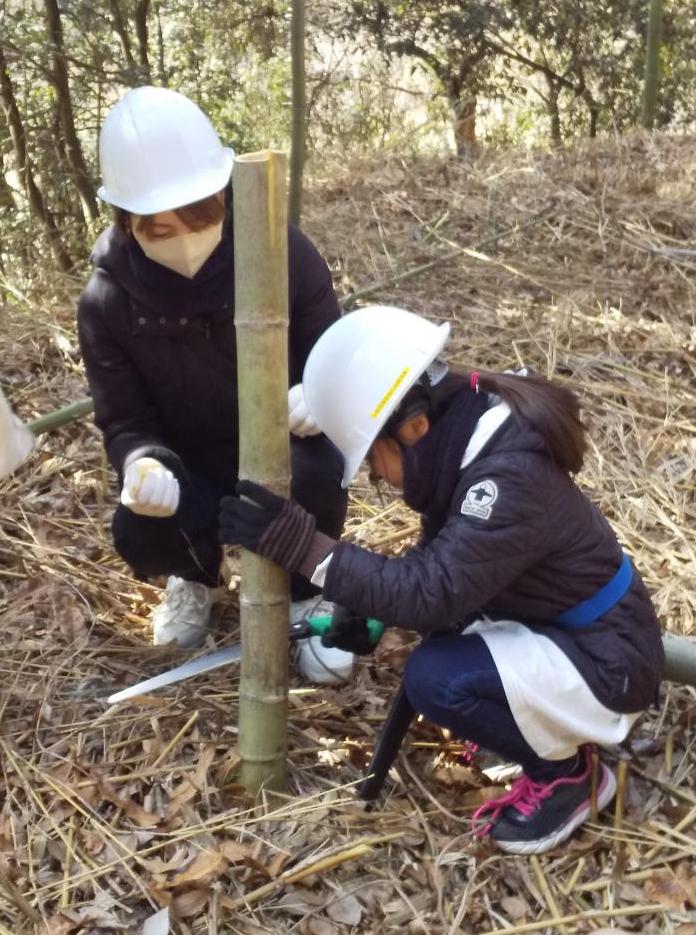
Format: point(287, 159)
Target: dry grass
point(109, 814)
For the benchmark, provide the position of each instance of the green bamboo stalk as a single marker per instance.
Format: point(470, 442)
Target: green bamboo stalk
point(651, 83)
point(261, 320)
point(54, 420)
point(680, 656)
point(299, 109)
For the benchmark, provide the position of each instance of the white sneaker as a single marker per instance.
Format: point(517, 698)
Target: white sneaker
point(320, 664)
point(184, 614)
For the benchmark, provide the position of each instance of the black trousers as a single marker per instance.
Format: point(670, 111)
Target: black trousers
point(187, 545)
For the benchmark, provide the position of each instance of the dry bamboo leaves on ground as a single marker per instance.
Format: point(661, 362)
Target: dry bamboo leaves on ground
point(111, 820)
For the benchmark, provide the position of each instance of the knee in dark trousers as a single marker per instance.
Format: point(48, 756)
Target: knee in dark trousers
point(454, 682)
point(317, 471)
point(447, 676)
point(185, 544)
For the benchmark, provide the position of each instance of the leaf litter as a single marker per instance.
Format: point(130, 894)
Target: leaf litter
point(131, 818)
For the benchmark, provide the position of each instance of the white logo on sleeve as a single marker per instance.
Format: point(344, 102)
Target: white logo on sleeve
point(479, 499)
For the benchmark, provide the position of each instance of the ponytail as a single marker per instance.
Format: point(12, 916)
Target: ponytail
point(552, 410)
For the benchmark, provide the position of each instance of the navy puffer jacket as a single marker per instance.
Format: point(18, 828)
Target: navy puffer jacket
point(520, 542)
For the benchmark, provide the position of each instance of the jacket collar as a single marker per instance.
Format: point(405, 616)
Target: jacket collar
point(493, 418)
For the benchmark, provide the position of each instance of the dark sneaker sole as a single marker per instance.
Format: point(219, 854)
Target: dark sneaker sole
point(605, 793)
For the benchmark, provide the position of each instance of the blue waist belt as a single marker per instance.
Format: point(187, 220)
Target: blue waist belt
point(585, 613)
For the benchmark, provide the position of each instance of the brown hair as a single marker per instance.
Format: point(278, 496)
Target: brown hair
point(196, 216)
point(553, 410)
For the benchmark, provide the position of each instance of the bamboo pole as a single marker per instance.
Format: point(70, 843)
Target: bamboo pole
point(299, 109)
point(651, 82)
point(680, 656)
point(261, 319)
point(54, 420)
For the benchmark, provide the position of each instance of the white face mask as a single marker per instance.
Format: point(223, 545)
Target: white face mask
point(185, 253)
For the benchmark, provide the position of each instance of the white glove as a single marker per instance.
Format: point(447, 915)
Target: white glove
point(300, 419)
point(149, 488)
point(16, 440)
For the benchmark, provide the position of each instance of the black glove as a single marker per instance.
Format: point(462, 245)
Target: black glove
point(274, 527)
point(349, 632)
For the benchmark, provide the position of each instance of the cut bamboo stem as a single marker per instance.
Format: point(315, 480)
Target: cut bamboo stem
point(589, 916)
point(321, 865)
point(261, 320)
point(594, 810)
point(547, 893)
point(680, 655)
point(621, 780)
point(175, 740)
point(54, 420)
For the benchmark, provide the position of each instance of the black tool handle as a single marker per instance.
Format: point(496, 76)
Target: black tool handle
point(395, 728)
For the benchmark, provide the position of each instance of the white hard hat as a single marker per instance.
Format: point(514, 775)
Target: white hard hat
point(158, 151)
point(359, 371)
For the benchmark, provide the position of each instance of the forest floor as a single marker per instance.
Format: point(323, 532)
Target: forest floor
point(580, 264)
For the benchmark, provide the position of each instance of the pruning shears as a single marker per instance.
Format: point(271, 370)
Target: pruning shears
point(318, 626)
point(310, 626)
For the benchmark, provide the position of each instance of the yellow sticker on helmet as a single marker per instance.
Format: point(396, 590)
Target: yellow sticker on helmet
point(390, 392)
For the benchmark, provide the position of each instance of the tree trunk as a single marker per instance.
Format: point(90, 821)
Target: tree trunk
point(652, 63)
point(35, 198)
point(76, 160)
point(7, 198)
point(141, 11)
point(121, 31)
point(551, 101)
point(593, 109)
point(261, 321)
point(464, 125)
point(299, 109)
point(162, 68)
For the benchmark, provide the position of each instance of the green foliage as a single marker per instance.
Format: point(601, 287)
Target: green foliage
point(381, 74)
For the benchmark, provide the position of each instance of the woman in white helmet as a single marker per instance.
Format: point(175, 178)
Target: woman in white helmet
point(542, 636)
point(156, 328)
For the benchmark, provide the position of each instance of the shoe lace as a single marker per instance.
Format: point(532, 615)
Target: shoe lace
point(525, 796)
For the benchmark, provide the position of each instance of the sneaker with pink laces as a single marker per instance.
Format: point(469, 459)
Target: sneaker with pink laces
point(534, 817)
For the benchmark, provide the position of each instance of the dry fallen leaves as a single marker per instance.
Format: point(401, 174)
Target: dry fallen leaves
point(346, 910)
point(135, 812)
point(673, 890)
point(200, 873)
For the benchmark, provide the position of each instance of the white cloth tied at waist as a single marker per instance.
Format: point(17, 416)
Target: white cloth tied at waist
point(550, 701)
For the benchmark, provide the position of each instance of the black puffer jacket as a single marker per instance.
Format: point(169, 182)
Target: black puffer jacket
point(160, 350)
point(537, 548)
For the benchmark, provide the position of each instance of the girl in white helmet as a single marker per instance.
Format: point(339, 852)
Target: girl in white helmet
point(156, 328)
point(542, 636)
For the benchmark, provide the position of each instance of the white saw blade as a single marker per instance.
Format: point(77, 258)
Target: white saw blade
point(186, 671)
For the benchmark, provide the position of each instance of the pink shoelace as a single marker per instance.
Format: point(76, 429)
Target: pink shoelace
point(468, 754)
point(525, 795)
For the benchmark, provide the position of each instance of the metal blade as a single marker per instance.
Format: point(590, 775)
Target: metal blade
point(186, 671)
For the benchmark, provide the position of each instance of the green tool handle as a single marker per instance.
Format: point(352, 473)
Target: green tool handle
point(321, 625)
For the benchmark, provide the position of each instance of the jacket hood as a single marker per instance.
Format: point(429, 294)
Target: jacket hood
point(501, 430)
